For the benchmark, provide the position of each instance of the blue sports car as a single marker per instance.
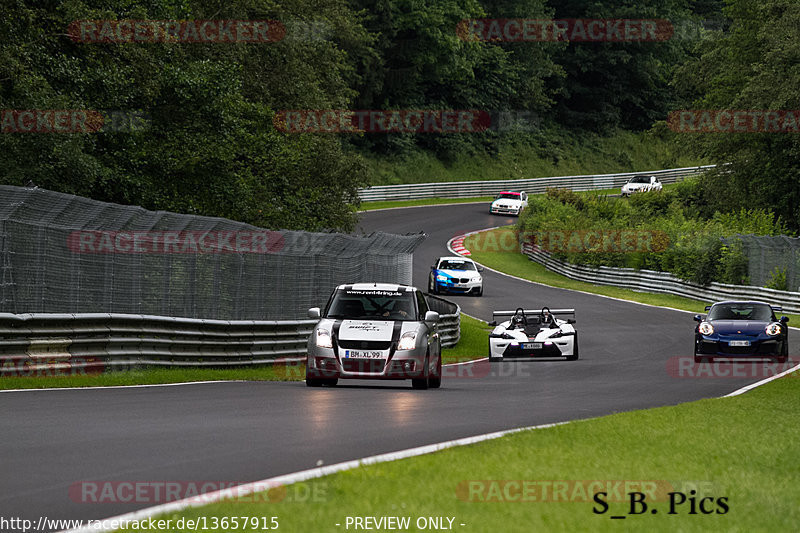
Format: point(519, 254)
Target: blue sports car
point(736, 329)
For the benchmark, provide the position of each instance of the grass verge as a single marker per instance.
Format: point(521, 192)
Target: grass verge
point(741, 449)
point(557, 153)
point(373, 206)
point(510, 261)
point(473, 343)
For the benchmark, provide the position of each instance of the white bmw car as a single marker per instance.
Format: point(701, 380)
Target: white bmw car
point(509, 203)
point(375, 331)
point(530, 334)
point(641, 184)
point(457, 275)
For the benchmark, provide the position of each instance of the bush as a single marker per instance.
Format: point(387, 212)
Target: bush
point(777, 280)
point(696, 251)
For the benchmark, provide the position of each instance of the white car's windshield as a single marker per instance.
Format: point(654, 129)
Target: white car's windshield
point(508, 196)
point(740, 311)
point(639, 179)
point(372, 304)
point(456, 265)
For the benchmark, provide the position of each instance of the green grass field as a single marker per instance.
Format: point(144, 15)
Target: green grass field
point(372, 206)
point(742, 449)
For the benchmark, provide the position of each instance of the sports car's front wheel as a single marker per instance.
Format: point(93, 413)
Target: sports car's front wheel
point(574, 356)
point(784, 356)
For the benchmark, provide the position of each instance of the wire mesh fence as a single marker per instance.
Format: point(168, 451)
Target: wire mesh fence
point(772, 261)
point(66, 254)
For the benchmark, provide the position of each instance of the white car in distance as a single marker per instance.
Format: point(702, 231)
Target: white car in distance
point(509, 203)
point(641, 184)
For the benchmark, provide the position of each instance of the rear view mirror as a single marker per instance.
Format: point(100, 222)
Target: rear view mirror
point(313, 312)
point(698, 318)
point(431, 317)
point(784, 319)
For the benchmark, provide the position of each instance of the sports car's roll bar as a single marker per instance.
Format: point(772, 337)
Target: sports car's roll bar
point(535, 312)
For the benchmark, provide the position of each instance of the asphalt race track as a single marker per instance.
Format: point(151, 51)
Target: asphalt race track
point(237, 432)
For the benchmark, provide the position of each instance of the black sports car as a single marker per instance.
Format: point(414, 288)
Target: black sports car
point(735, 329)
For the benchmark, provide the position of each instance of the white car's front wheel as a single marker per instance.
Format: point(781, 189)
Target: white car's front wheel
point(424, 382)
point(574, 356)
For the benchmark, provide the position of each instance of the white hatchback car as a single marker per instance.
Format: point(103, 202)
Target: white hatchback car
point(641, 184)
point(375, 331)
point(509, 203)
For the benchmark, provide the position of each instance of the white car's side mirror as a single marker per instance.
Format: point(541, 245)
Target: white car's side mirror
point(314, 312)
point(431, 317)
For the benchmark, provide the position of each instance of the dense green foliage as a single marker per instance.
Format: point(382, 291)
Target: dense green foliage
point(752, 66)
point(209, 145)
point(695, 250)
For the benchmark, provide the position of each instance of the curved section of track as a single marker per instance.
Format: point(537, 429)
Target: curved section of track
point(238, 432)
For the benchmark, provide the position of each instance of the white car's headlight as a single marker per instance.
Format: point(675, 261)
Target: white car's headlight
point(324, 338)
point(476, 279)
point(706, 328)
point(441, 277)
point(408, 341)
point(773, 329)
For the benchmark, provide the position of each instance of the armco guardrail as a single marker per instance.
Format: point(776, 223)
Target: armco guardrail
point(449, 319)
point(474, 189)
point(663, 282)
point(38, 343)
point(53, 344)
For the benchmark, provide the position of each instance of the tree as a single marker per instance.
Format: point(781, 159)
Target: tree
point(618, 84)
point(207, 144)
point(751, 67)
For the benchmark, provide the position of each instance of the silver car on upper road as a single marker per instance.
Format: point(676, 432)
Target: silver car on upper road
point(375, 331)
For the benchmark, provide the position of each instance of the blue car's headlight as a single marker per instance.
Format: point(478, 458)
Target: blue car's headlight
point(773, 329)
point(440, 277)
point(706, 328)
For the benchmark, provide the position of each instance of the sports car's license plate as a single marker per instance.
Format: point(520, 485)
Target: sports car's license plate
point(739, 343)
point(532, 346)
point(363, 354)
